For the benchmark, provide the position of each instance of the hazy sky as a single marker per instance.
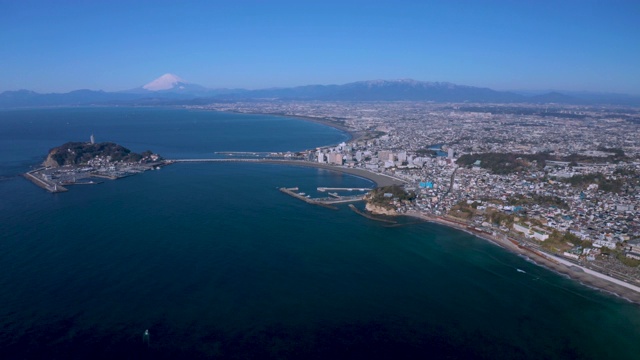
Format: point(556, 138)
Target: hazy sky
point(57, 45)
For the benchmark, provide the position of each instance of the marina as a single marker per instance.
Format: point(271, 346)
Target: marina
point(227, 234)
point(326, 202)
point(54, 180)
point(323, 189)
point(42, 182)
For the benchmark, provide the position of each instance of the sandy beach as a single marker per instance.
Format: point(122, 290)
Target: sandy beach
point(586, 276)
point(324, 121)
point(379, 179)
point(581, 274)
point(353, 135)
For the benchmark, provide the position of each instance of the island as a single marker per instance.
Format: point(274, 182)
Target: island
point(557, 185)
point(82, 163)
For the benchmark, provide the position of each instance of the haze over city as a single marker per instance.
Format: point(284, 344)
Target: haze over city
point(505, 45)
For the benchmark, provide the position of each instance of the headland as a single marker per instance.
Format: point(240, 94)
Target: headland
point(582, 274)
point(575, 204)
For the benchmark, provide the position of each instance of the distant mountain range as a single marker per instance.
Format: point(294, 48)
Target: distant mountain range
point(170, 89)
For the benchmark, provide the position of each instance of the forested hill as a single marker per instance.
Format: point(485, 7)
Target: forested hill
point(77, 153)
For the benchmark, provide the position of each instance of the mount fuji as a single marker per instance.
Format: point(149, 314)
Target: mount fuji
point(171, 84)
point(169, 89)
point(166, 82)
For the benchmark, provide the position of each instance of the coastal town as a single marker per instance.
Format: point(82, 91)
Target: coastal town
point(555, 179)
point(557, 182)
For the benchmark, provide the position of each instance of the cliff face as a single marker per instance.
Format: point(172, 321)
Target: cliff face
point(384, 200)
point(77, 153)
point(379, 210)
point(50, 162)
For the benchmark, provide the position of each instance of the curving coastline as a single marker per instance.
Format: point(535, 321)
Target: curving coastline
point(353, 135)
point(379, 179)
point(583, 275)
point(579, 273)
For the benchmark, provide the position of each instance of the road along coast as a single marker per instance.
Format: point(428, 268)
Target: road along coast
point(379, 179)
point(576, 272)
point(582, 274)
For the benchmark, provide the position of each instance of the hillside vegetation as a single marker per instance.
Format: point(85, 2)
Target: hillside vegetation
point(78, 153)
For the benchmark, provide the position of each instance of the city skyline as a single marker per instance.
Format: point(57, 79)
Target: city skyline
point(114, 46)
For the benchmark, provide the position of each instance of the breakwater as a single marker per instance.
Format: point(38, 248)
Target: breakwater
point(48, 185)
point(291, 192)
point(368, 216)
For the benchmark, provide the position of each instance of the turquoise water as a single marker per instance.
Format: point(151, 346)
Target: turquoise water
point(217, 263)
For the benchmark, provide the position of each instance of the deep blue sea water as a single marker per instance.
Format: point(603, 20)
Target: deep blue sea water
point(217, 263)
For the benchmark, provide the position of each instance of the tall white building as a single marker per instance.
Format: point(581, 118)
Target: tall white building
point(402, 156)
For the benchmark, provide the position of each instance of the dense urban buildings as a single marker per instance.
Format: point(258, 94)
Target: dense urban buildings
point(563, 179)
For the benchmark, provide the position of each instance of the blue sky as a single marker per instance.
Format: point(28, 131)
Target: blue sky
point(58, 46)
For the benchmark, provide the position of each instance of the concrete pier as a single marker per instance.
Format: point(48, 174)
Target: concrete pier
point(323, 189)
point(50, 186)
point(326, 202)
point(290, 191)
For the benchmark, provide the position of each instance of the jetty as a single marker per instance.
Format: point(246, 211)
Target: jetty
point(43, 182)
point(323, 189)
point(326, 202)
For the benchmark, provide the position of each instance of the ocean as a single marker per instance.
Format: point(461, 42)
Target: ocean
point(215, 262)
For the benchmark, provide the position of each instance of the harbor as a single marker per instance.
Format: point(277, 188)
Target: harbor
point(325, 201)
point(55, 180)
point(323, 189)
point(44, 182)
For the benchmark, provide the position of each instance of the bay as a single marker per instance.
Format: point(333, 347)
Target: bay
point(216, 263)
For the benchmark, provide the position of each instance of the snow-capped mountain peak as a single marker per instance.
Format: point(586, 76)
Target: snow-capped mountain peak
point(165, 82)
